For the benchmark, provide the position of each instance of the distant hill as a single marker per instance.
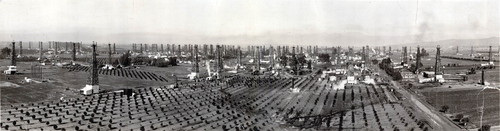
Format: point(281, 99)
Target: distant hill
point(493, 41)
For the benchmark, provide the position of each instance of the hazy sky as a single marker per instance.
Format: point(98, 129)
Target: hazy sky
point(187, 21)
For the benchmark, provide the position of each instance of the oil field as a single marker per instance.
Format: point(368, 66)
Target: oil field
point(295, 65)
point(76, 86)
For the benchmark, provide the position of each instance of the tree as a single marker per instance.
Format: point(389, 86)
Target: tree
point(324, 57)
point(5, 52)
point(125, 59)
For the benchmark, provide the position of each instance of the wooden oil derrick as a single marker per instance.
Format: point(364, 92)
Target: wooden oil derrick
point(13, 55)
point(109, 54)
point(73, 56)
point(437, 66)
point(94, 74)
point(417, 64)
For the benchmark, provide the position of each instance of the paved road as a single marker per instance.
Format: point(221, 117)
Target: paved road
point(437, 121)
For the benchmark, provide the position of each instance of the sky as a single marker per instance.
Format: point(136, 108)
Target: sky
point(327, 22)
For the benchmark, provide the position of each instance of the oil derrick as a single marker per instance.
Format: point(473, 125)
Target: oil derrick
point(383, 50)
point(417, 64)
point(294, 60)
point(41, 51)
point(223, 50)
point(168, 49)
point(390, 50)
point(287, 50)
point(133, 47)
point(195, 59)
point(141, 51)
point(338, 56)
point(239, 57)
point(367, 52)
point(482, 77)
point(156, 48)
point(405, 55)
point(173, 50)
point(334, 53)
point(263, 51)
point(253, 53)
point(489, 56)
point(457, 51)
point(309, 50)
point(94, 76)
point(13, 56)
point(219, 59)
point(258, 58)
point(278, 51)
point(162, 48)
point(56, 51)
point(271, 57)
point(146, 48)
point(364, 55)
point(73, 55)
point(472, 51)
point(179, 52)
point(437, 66)
point(409, 52)
point(184, 48)
point(93, 80)
point(205, 49)
point(20, 48)
point(114, 48)
point(29, 45)
point(109, 54)
point(211, 49)
point(79, 46)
